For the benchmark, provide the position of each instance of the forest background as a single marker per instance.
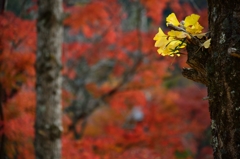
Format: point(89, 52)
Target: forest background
point(120, 98)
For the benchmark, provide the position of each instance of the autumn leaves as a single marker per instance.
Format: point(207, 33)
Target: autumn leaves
point(181, 33)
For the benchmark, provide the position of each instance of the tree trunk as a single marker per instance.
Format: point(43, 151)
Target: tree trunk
point(48, 126)
point(219, 69)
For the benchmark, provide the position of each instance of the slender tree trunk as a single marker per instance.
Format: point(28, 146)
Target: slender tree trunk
point(48, 126)
point(219, 69)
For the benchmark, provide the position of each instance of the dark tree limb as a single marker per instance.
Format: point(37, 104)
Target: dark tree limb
point(2, 6)
point(194, 75)
point(197, 58)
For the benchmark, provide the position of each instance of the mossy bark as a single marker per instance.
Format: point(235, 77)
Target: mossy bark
point(48, 125)
point(220, 66)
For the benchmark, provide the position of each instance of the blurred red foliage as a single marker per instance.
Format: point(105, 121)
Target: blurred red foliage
point(143, 119)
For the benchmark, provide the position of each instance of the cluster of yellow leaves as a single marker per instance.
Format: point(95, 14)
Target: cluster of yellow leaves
point(175, 40)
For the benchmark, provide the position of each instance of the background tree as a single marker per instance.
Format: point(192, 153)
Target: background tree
point(48, 125)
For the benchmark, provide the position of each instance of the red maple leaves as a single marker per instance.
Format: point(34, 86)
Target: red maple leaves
point(115, 70)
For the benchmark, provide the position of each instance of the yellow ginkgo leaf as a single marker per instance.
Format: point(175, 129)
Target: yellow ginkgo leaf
point(197, 28)
point(172, 19)
point(160, 50)
point(177, 34)
point(191, 24)
point(207, 43)
point(160, 37)
point(191, 20)
point(200, 36)
point(172, 48)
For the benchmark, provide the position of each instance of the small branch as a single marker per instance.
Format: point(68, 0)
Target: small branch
point(176, 28)
point(195, 6)
point(234, 52)
point(197, 58)
point(194, 75)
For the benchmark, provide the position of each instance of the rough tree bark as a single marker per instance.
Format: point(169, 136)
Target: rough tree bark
point(219, 69)
point(48, 124)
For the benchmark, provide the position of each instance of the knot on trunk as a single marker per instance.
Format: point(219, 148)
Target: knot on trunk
point(197, 59)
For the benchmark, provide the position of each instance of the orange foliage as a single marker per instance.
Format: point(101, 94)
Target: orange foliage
point(155, 9)
point(142, 119)
point(17, 46)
